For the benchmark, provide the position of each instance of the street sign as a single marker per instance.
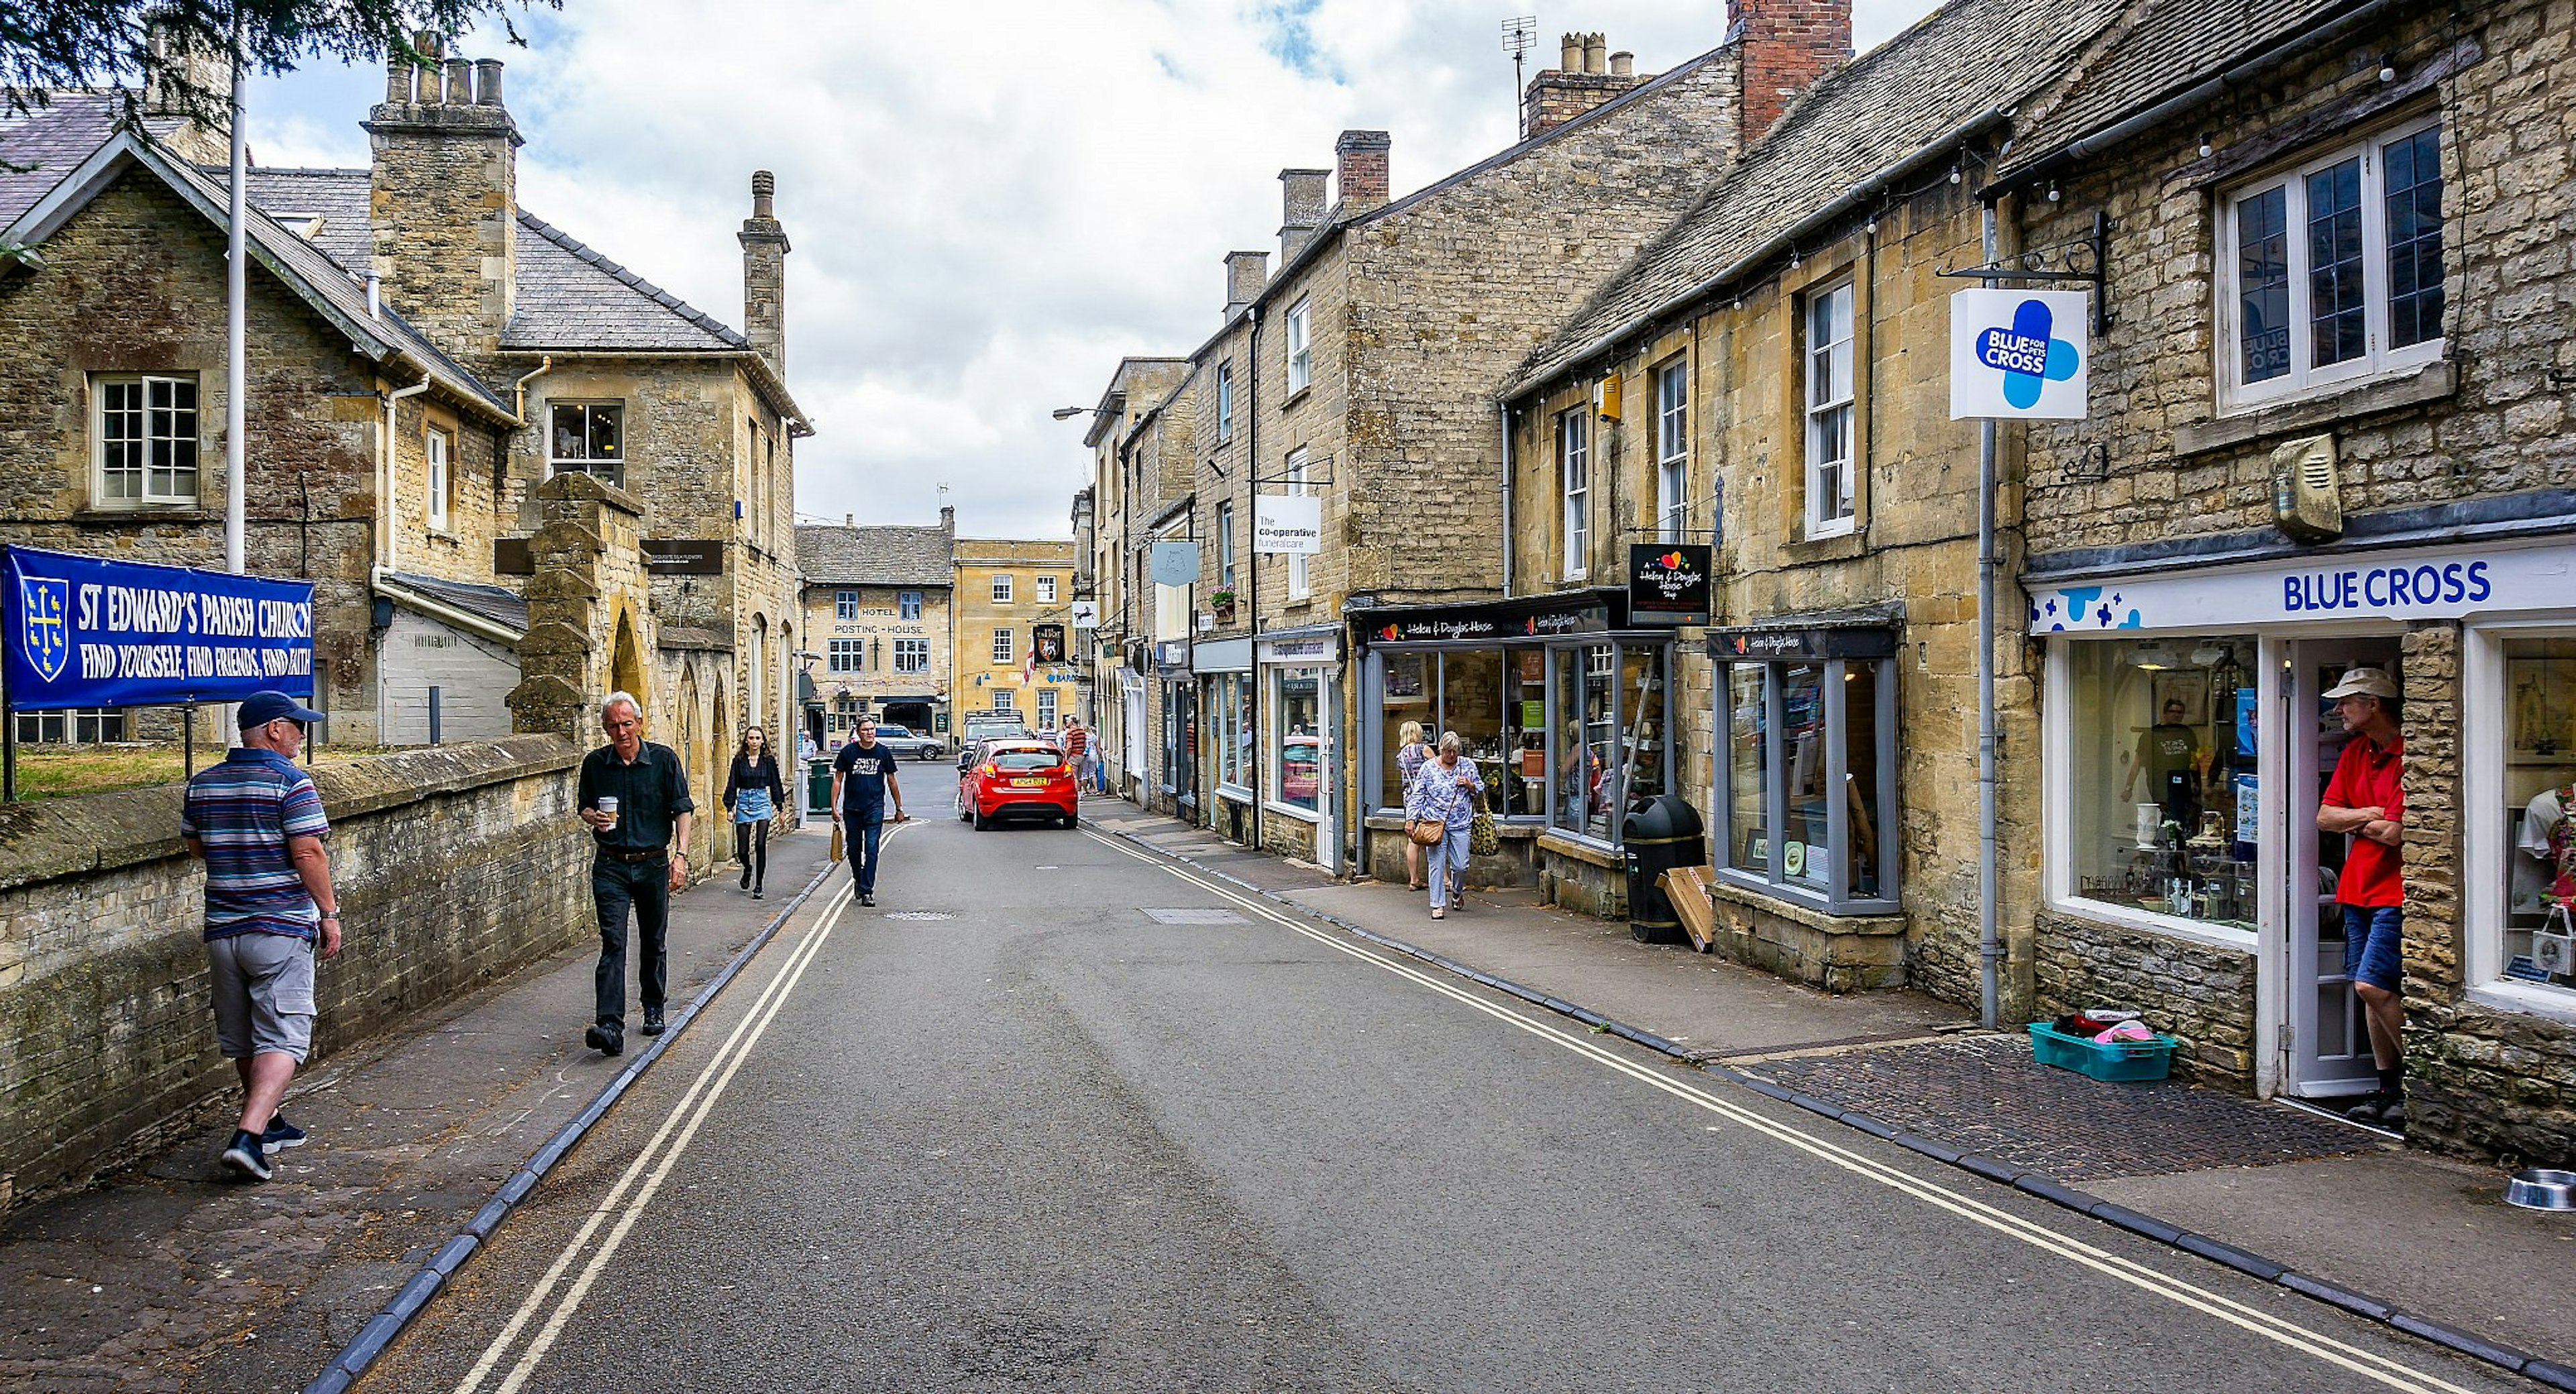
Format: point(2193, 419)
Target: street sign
point(1175, 564)
point(2018, 355)
point(1287, 523)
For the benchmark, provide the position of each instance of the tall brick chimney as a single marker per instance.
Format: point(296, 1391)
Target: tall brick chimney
point(1301, 209)
point(1359, 173)
point(1245, 274)
point(443, 198)
point(1587, 76)
point(764, 274)
point(1787, 45)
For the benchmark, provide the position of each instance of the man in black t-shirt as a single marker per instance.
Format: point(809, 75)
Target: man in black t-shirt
point(863, 778)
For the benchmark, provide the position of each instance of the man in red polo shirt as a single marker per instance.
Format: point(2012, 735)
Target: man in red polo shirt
point(2365, 799)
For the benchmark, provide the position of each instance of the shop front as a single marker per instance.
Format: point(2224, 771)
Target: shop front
point(1300, 715)
point(1224, 668)
point(1174, 786)
point(1560, 703)
point(2187, 740)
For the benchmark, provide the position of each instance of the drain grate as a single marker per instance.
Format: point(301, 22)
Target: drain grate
point(1195, 916)
point(920, 915)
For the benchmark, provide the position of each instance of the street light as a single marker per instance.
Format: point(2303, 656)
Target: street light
point(1068, 413)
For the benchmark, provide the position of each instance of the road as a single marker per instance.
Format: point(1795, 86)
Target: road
point(1011, 1130)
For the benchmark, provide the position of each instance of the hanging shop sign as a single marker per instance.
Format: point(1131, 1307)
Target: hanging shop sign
point(683, 556)
point(1287, 523)
point(1307, 648)
point(1765, 644)
point(83, 632)
point(1086, 614)
point(2018, 355)
point(1046, 643)
point(1668, 583)
point(2424, 584)
point(1175, 564)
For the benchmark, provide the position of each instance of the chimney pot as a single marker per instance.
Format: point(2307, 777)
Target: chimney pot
point(1596, 51)
point(1623, 64)
point(849, 520)
point(764, 189)
point(1360, 170)
point(1569, 57)
point(460, 82)
point(487, 82)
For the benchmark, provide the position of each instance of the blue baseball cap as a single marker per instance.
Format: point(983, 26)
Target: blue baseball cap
point(261, 708)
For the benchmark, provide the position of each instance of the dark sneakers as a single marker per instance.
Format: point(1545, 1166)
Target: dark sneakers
point(244, 1154)
point(608, 1038)
point(867, 900)
point(2380, 1109)
point(281, 1134)
point(652, 1021)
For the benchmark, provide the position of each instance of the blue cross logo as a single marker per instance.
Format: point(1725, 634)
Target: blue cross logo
point(2028, 354)
point(43, 603)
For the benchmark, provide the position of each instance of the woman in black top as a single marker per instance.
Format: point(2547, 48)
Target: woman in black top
point(754, 792)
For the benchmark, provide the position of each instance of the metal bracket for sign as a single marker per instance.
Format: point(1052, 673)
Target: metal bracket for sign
point(1678, 534)
point(2082, 261)
point(1304, 475)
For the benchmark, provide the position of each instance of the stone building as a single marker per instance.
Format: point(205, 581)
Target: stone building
point(1362, 373)
point(1132, 474)
point(1010, 626)
point(2329, 429)
point(425, 356)
point(1766, 379)
point(877, 623)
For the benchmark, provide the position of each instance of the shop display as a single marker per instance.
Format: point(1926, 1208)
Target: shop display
point(2168, 810)
point(2540, 788)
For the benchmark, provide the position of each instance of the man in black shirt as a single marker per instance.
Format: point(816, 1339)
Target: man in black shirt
point(862, 780)
point(633, 866)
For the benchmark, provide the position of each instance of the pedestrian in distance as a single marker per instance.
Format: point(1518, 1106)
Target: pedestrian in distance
point(2366, 798)
point(863, 778)
point(1077, 752)
point(634, 794)
point(1446, 792)
point(1410, 752)
point(753, 792)
point(257, 823)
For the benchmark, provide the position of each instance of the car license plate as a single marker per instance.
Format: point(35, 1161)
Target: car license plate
point(1028, 783)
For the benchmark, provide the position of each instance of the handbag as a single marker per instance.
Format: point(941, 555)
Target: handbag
point(1425, 832)
point(1482, 840)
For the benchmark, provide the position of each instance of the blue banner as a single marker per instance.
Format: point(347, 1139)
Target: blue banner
point(82, 632)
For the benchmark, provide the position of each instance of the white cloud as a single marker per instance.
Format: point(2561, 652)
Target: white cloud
point(989, 204)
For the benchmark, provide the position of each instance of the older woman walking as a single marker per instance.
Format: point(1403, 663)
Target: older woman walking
point(1446, 791)
point(1410, 752)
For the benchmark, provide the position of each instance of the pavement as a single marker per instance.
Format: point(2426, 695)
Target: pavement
point(2336, 1202)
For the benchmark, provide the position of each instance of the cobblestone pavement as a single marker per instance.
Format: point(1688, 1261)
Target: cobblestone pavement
point(1985, 1094)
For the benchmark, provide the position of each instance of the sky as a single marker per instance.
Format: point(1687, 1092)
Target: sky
point(989, 205)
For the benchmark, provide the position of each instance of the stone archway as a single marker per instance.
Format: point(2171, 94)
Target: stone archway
point(692, 749)
point(626, 663)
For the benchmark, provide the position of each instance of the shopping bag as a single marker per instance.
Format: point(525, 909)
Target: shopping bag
point(836, 841)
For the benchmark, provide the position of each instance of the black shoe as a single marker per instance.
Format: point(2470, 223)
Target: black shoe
point(608, 1038)
point(281, 1134)
point(867, 899)
point(245, 1155)
point(652, 1021)
point(756, 893)
point(2372, 1110)
point(746, 878)
point(2393, 1116)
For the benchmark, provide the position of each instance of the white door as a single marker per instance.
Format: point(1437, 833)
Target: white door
point(2329, 1046)
point(1328, 773)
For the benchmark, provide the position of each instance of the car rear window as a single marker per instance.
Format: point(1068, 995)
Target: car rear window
point(1027, 760)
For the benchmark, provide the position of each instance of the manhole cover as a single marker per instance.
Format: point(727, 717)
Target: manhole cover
point(1195, 917)
point(921, 915)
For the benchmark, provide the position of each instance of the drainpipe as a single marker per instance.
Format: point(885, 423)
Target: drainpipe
point(1503, 414)
point(1252, 563)
point(387, 527)
point(1990, 950)
point(519, 391)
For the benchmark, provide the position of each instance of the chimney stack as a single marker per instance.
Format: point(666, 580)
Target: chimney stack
point(764, 274)
point(1589, 75)
point(850, 520)
point(948, 519)
point(1301, 209)
point(1787, 46)
point(443, 197)
point(1359, 175)
point(1245, 274)
point(178, 65)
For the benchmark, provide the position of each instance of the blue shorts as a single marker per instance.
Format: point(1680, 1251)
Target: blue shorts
point(2371, 935)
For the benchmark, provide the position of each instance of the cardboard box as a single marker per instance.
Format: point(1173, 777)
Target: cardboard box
point(1687, 888)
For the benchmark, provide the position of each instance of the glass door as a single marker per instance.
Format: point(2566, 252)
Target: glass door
point(2329, 1045)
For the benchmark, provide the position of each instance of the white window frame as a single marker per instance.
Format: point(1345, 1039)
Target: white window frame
point(1301, 361)
point(1225, 401)
point(1830, 415)
point(1225, 545)
point(609, 468)
point(144, 414)
point(847, 656)
point(1300, 579)
point(1672, 450)
point(438, 447)
point(2485, 840)
point(1002, 589)
point(75, 726)
point(1001, 645)
point(1046, 590)
point(1004, 700)
point(845, 606)
point(2378, 359)
point(1046, 707)
point(1574, 474)
point(912, 655)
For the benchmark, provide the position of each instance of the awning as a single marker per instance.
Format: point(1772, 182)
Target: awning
point(1596, 610)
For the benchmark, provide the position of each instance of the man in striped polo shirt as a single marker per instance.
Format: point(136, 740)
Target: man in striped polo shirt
point(258, 823)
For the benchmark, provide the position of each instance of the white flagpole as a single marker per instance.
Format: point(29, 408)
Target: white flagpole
point(236, 329)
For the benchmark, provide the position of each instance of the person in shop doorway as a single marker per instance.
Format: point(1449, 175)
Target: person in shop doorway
point(863, 779)
point(2366, 799)
point(2166, 752)
point(1448, 792)
point(754, 792)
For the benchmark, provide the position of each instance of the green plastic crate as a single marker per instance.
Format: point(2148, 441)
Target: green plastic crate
point(2115, 1061)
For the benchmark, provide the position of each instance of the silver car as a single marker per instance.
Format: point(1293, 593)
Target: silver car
point(904, 743)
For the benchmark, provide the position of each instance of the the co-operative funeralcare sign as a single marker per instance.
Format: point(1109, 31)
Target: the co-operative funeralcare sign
point(89, 633)
point(2432, 583)
point(1290, 524)
point(2018, 355)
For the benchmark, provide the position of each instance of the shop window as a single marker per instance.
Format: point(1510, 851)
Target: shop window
point(1407, 682)
point(1296, 709)
point(2161, 771)
point(1641, 725)
point(1587, 792)
point(1230, 728)
point(1809, 774)
point(2539, 812)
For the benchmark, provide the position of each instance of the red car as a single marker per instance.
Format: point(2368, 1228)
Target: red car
point(1017, 778)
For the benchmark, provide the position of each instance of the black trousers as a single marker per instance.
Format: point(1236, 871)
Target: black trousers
point(645, 888)
point(751, 848)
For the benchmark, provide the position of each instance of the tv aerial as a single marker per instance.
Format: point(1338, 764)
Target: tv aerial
point(1520, 35)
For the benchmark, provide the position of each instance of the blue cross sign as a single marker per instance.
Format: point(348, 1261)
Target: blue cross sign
point(2008, 360)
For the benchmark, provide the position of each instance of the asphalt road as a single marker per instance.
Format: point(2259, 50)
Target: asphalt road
point(1008, 1131)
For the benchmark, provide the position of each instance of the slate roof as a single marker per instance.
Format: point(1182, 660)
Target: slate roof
point(2167, 47)
point(336, 196)
point(1962, 62)
point(52, 140)
point(830, 555)
point(493, 603)
point(571, 297)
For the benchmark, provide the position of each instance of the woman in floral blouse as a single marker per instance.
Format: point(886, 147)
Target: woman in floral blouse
point(1446, 791)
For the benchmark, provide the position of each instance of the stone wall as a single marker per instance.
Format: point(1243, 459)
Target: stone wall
point(2200, 993)
point(975, 615)
point(454, 867)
